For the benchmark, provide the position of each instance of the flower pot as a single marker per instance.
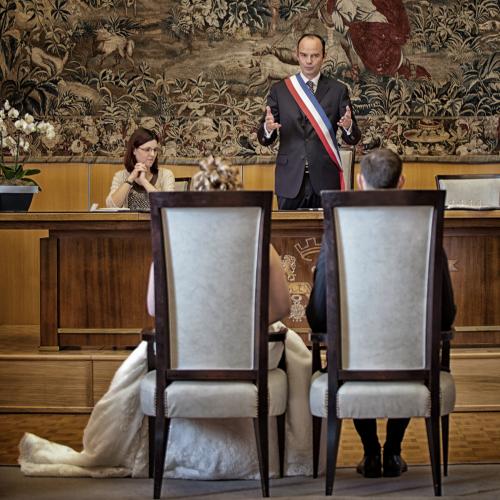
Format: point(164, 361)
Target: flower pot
point(16, 198)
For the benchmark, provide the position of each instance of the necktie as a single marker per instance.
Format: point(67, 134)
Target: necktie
point(310, 84)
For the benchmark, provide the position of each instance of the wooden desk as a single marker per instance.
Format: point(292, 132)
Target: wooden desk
point(94, 270)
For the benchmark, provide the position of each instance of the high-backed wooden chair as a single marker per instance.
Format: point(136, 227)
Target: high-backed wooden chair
point(347, 154)
point(384, 277)
point(470, 191)
point(211, 271)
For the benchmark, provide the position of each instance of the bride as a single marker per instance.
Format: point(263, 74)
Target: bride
point(115, 440)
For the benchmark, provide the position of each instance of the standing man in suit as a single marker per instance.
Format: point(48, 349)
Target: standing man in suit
point(307, 109)
point(381, 169)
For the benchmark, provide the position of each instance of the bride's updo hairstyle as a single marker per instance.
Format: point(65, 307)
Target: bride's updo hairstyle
point(215, 175)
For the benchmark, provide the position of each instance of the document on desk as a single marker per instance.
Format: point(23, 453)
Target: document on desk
point(463, 206)
point(95, 208)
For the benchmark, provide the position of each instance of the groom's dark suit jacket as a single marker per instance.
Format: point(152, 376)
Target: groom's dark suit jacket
point(299, 141)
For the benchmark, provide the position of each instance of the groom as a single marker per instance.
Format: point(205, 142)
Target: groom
point(381, 169)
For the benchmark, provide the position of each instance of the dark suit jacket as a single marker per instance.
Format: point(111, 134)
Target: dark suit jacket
point(316, 309)
point(299, 141)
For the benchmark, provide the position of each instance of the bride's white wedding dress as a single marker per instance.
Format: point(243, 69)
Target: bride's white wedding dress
point(115, 441)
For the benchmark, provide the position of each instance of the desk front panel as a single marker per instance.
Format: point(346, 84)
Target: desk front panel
point(94, 273)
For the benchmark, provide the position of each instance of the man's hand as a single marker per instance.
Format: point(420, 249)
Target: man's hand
point(346, 121)
point(270, 124)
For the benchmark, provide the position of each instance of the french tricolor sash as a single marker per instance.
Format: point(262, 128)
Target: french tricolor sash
point(310, 106)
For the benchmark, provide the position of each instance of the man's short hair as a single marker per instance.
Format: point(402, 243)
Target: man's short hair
point(313, 35)
point(381, 169)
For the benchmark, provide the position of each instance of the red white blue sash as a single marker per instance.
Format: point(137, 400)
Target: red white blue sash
point(310, 106)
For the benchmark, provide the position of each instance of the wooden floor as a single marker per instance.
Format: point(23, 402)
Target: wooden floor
point(474, 435)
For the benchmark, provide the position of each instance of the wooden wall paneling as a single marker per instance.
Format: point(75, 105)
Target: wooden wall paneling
point(48, 296)
point(101, 176)
point(421, 175)
point(492, 285)
point(20, 271)
point(65, 187)
point(182, 170)
point(33, 383)
point(258, 177)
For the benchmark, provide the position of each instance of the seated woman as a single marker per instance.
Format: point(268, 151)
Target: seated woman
point(141, 175)
point(115, 441)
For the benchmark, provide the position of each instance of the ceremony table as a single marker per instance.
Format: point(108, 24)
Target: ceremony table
point(94, 269)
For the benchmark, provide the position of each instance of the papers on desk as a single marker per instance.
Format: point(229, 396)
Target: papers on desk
point(465, 206)
point(95, 208)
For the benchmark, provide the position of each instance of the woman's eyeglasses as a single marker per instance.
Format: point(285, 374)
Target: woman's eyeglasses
point(149, 150)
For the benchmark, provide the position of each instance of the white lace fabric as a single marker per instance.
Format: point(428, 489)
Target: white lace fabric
point(115, 441)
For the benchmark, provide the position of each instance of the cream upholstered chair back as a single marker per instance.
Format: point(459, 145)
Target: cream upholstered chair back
point(347, 160)
point(210, 246)
point(383, 249)
point(383, 261)
point(472, 191)
point(211, 257)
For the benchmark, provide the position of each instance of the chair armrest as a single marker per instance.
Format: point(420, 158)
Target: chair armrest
point(316, 340)
point(278, 336)
point(148, 335)
point(446, 337)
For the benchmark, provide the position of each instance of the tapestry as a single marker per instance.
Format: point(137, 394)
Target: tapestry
point(424, 76)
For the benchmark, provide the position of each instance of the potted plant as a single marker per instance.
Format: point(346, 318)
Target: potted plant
point(16, 185)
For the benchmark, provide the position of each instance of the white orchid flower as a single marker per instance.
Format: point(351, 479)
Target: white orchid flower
point(30, 128)
point(13, 113)
point(28, 118)
point(6, 105)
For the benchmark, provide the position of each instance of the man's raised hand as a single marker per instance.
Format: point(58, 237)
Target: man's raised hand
point(271, 125)
point(346, 121)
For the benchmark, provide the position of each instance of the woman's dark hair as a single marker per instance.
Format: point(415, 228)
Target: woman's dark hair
point(138, 138)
